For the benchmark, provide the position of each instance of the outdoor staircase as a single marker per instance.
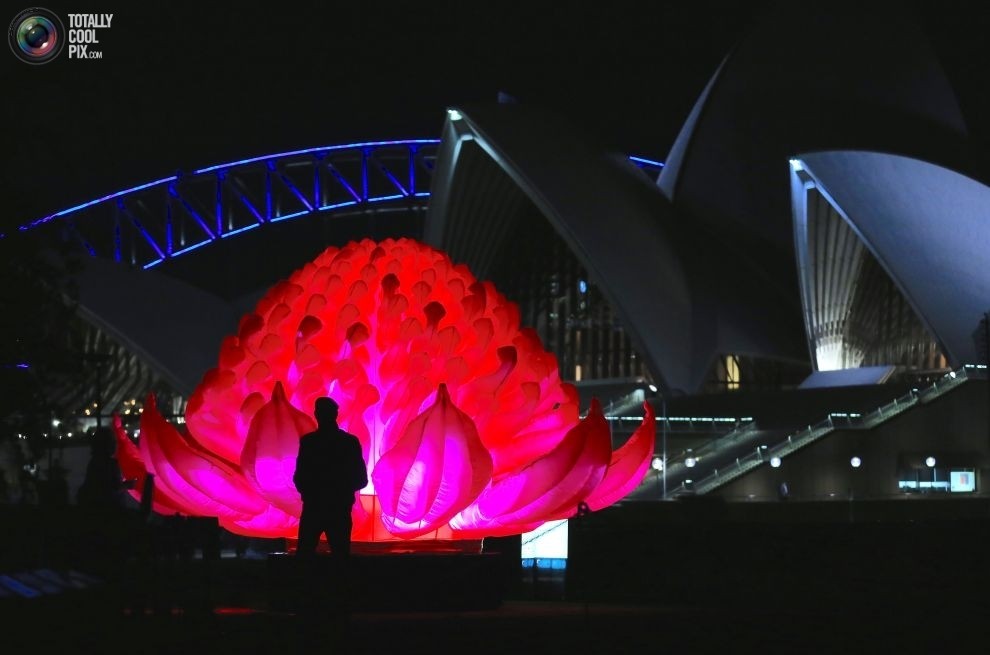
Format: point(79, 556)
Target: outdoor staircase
point(812, 433)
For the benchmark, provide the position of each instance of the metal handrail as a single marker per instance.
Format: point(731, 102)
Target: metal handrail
point(715, 445)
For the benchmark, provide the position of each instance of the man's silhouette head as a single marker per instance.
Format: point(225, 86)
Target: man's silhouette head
point(326, 411)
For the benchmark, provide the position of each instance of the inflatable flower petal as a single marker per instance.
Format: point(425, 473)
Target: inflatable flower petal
point(269, 456)
point(203, 481)
point(551, 487)
point(433, 471)
point(629, 464)
point(132, 467)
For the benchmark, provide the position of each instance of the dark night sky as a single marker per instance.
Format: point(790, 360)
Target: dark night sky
point(186, 84)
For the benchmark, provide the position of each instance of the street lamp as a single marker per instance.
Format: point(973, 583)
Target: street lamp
point(657, 465)
point(775, 462)
point(930, 463)
point(855, 462)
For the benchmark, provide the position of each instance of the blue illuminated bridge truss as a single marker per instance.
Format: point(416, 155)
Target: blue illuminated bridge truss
point(152, 223)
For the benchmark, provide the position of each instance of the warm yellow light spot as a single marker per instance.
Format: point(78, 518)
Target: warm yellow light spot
point(731, 372)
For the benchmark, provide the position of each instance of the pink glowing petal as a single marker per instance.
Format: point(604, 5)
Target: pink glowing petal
point(212, 414)
point(208, 485)
point(556, 414)
point(629, 464)
point(552, 485)
point(269, 456)
point(272, 522)
point(129, 459)
point(433, 471)
point(132, 468)
point(470, 524)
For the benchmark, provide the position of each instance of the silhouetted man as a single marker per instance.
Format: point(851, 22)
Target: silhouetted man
point(329, 471)
point(103, 486)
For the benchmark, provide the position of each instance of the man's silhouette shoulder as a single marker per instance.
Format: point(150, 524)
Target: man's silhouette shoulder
point(330, 460)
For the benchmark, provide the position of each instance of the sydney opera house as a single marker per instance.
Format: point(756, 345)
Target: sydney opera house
point(799, 290)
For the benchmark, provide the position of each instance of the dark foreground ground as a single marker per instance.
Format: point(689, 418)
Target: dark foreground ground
point(515, 627)
point(697, 583)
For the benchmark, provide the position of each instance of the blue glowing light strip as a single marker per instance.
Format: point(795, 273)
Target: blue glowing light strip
point(85, 244)
point(141, 187)
point(192, 211)
point(391, 177)
point(192, 247)
point(239, 230)
point(381, 198)
point(288, 216)
point(247, 203)
point(117, 253)
point(338, 205)
point(347, 185)
point(304, 151)
point(646, 162)
point(364, 175)
point(144, 233)
point(411, 171)
point(295, 190)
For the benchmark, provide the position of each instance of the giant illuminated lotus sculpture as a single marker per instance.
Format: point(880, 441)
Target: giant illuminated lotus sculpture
point(465, 425)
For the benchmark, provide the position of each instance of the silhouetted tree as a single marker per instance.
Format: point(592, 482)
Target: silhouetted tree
point(37, 355)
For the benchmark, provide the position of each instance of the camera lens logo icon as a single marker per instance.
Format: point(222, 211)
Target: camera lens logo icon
point(36, 36)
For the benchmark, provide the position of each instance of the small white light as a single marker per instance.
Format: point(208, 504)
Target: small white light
point(690, 462)
point(657, 464)
point(796, 165)
point(688, 481)
point(855, 462)
point(930, 462)
point(775, 462)
point(952, 374)
point(454, 115)
point(56, 422)
point(653, 388)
